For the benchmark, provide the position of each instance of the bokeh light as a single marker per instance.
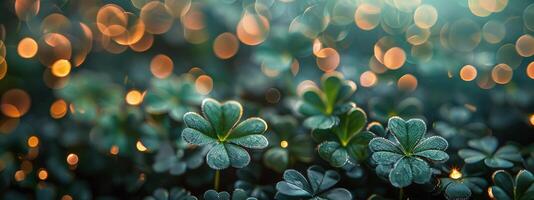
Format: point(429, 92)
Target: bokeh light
point(468, 73)
point(161, 66)
point(27, 47)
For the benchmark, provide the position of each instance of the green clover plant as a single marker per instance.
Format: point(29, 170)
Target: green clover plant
point(237, 194)
point(508, 188)
point(250, 182)
point(345, 142)
point(173, 95)
point(288, 145)
point(175, 193)
point(461, 183)
point(317, 185)
point(405, 158)
point(321, 106)
point(485, 149)
point(219, 128)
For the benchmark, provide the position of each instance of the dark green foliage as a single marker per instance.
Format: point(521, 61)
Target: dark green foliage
point(461, 184)
point(288, 145)
point(175, 193)
point(317, 185)
point(238, 194)
point(485, 150)
point(406, 158)
point(508, 188)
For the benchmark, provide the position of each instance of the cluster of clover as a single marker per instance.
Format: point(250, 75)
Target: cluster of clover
point(400, 153)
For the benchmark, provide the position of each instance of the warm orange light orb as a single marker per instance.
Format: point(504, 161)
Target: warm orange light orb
point(27, 48)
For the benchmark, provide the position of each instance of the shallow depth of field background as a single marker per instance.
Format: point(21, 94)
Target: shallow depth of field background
point(75, 122)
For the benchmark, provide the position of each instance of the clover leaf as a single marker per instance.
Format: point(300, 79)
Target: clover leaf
point(317, 185)
point(320, 106)
point(460, 184)
point(219, 128)
point(175, 193)
point(346, 141)
point(485, 149)
point(405, 158)
point(288, 146)
point(508, 188)
point(173, 95)
point(178, 161)
point(238, 194)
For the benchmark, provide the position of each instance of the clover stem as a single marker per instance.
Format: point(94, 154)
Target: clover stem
point(401, 194)
point(217, 180)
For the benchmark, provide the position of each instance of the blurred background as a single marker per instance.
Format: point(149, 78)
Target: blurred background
point(93, 91)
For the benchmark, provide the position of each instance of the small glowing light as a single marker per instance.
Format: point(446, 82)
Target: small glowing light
point(367, 16)
point(42, 174)
point(58, 109)
point(61, 68)
point(114, 150)
point(425, 16)
point(531, 119)
point(525, 45)
point(502, 73)
point(455, 174)
point(490, 193)
point(15, 103)
point(368, 79)
point(33, 141)
point(27, 47)
point(134, 97)
point(156, 17)
point(20, 175)
point(72, 159)
point(530, 70)
point(66, 197)
point(327, 59)
point(468, 73)
point(225, 45)
point(284, 144)
point(142, 176)
point(394, 58)
point(161, 66)
point(204, 84)
point(140, 146)
point(407, 82)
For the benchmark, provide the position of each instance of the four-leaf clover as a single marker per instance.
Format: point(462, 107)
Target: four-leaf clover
point(405, 157)
point(219, 128)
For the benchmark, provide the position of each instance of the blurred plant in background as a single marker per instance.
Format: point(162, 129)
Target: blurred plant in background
point(355, 99)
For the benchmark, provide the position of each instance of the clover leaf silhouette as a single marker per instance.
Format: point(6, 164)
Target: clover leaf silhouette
point(237, 194)
point(405, 158)
point(485, 149)
point(219, 128)
point(508, 188)
point(317, 185)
